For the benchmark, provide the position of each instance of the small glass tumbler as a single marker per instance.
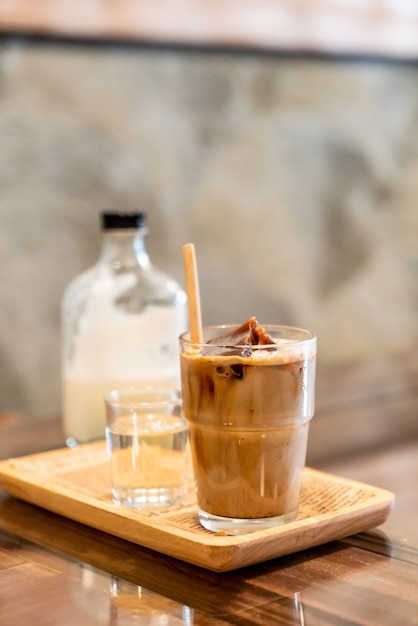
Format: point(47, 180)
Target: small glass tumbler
point(248, 409)
point(146, 438)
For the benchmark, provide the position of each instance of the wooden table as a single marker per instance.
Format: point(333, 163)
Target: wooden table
point(56, 571)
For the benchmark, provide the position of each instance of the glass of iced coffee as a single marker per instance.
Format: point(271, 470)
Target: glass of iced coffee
point(248, 398)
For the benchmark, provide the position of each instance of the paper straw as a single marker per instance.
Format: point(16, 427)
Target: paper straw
point(193, 295)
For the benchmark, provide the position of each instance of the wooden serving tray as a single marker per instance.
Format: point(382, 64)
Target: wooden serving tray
point(75, 483)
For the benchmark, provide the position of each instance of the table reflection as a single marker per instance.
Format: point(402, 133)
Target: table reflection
point(134, 604)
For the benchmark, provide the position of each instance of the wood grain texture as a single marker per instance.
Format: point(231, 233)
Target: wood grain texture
point(64, 570)
point(76, 483)
point(364, 406)
point(325, 580)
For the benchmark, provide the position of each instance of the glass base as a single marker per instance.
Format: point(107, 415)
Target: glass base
point(148, 498)
point(72, 442)
point(232, 526)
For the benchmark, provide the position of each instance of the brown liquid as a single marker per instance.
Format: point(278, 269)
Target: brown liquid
point(248, 454)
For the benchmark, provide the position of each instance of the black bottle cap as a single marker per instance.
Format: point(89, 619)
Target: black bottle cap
point(114, 220)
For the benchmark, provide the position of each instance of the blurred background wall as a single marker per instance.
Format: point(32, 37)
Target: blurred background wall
point(295, 177)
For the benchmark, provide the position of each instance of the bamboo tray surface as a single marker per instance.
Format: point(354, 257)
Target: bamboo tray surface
point(75, 483)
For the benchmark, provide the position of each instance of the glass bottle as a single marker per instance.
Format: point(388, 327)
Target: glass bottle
point(120, 325)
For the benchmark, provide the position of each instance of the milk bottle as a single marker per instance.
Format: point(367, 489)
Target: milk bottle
point(120, 323)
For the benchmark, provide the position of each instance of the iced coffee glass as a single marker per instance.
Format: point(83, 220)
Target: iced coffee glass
point(248, 407)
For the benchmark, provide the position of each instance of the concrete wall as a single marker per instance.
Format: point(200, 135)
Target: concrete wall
point(296, 179)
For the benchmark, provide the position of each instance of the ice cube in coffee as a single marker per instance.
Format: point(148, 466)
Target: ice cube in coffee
point(248, 397)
